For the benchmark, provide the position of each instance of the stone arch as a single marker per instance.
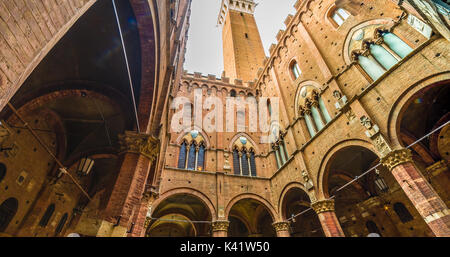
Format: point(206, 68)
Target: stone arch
point(286, 189)
point(255, 197)
point(302, 84)
point(243, 134)
point(189, 191)
point(323, 172)
point(200, 131)
point(403, 101)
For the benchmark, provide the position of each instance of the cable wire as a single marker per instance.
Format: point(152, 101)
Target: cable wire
point(128, 66)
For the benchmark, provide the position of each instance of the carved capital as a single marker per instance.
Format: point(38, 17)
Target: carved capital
point(220, 225)
point(323, 206)
point(147, 222)
point(396, 157)
point(150, 196)
point(143, 144)
point(281, 226)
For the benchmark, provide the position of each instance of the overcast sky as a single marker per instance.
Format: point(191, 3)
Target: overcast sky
point(204, 47)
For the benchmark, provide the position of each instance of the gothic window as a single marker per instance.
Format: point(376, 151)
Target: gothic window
point(380, 54)
point(295, 70)
point(182, 156)
point(396, 44)
point(7, 211)
point(233, 93)
point(338, 16)
point(2, 171)
point(403, 214)
point(280, 150)
point(47, 215)
point(313, 110)
point(244, 163)
point(192, 152)
point(61, 223)
point(269, 108)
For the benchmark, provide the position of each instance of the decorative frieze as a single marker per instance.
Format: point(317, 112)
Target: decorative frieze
point(396, 157)
point(143, 144)
point(323, 206)
point(220, 225)
point(281, 226)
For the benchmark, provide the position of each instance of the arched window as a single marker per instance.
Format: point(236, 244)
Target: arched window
point(7, 211)
point(380, 54)
point(396, 44)
point(244, 163)
point(233, 93)
point(182, 156)
point(2, 171)
point(295, 70)
point(403, 214)
point(338, 16)
point(269, 108)
point(61, 224)
point(372, 227)
point(281, 154)
point(312, 108)
point(47, 215)
point(192, 152)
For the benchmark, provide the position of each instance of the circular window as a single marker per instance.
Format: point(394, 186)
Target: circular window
point(2, 171)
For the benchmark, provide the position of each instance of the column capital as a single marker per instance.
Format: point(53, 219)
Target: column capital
point(323, 206)
point(281, 226)
point(396, 157)
point(144, 144)
point(220, 225)
point(147, 222)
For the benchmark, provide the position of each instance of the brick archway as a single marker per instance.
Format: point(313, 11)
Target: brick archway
point(285, 190)
point(401, 104)
point(262, 201)
point(322, 176)
point(189, 191)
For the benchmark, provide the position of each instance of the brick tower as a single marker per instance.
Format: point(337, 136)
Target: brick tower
point(243, 51)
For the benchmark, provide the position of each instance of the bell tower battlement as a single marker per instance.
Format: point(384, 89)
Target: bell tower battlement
point(243, 51)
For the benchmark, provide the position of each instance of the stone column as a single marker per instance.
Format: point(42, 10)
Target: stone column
point(427, 202)
point(328, 219)
point(282, 229)
point(138, 151)
point(220, 228)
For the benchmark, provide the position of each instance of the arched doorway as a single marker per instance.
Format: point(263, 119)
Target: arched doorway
point(306, 225)
point(180, 215)
point(363, 200)
point(8, 210)
point(432, 154)
point(249, 217)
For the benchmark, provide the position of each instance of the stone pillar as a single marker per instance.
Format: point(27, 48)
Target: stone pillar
point(282, 229)
point(138, 151)
point(427, 202)
point(220, 228)
point(328, 219)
